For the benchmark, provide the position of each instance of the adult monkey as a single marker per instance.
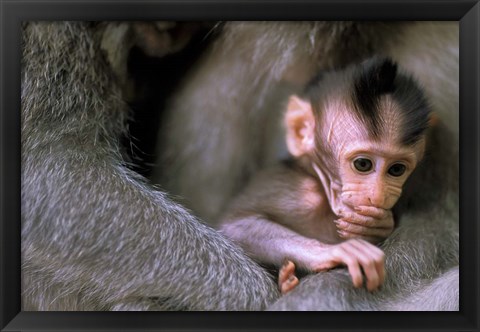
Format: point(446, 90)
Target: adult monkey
point(94, 235)
point(237, 92)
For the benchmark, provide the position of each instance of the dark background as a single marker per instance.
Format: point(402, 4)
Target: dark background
point(154, 80)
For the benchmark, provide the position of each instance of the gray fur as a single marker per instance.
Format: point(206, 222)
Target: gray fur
point(441, 294)
point(225, 120)
point(95, 236)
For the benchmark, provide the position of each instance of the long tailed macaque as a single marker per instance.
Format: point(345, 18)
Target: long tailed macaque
point(223, 127)
point(95, 235)
point(355, 136)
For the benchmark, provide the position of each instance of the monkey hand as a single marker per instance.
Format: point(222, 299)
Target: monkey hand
point(369, 223)
point(357, 255)
point(287, 280)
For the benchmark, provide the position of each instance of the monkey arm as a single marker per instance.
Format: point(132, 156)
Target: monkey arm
point(94, 235)
point(152, 248)
point(262, 219)
point(270, 242)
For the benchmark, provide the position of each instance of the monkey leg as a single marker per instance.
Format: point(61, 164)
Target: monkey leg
point(287, 280)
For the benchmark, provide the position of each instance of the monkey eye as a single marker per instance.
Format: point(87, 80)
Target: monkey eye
point(397, 169)
point(363, 165)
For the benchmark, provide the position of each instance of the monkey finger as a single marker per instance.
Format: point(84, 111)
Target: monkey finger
point(372, 211)
point(360, 229)
point(382, 218)
point(351, 227)
point(369, 221)
point(340, 254)
point(358, 219)
point(364, 253)
point(376, 255)
point(381, 271)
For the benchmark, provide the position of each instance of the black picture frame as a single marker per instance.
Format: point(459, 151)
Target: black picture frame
point(13, 12)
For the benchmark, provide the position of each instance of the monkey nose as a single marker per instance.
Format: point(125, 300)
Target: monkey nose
point(377, 199)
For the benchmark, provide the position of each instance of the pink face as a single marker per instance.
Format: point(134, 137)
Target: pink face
point(355, 169)
point(373, 173)
point(370, 172)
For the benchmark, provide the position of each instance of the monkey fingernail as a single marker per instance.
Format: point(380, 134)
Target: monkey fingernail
point(340, 223)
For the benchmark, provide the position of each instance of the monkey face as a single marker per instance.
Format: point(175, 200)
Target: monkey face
point(356, 165)
point(373, 173)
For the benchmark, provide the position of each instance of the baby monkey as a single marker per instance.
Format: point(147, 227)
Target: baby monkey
point(355, 136)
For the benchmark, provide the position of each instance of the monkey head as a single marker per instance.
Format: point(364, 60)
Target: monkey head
point(362, 130)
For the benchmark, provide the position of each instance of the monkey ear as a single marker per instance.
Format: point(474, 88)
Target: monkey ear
point(300, 125)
